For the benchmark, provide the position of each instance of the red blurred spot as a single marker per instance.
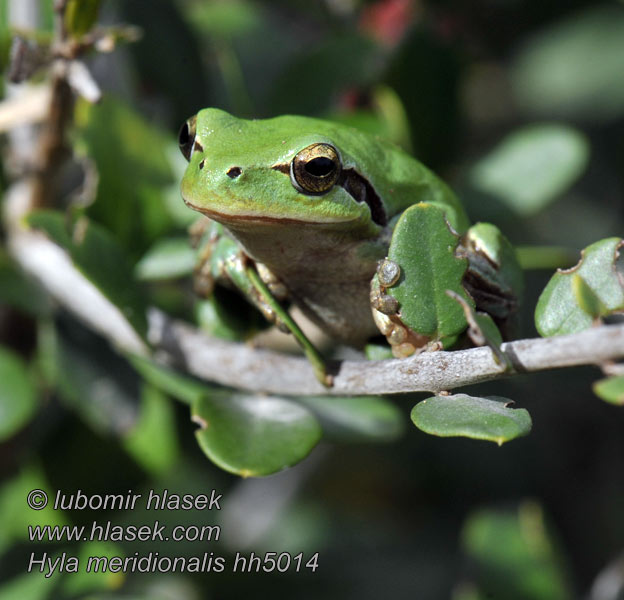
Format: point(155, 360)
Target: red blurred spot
point(388, 20)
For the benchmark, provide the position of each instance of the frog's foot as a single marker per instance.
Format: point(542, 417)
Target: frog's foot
point(275, 285)
point(403, 341)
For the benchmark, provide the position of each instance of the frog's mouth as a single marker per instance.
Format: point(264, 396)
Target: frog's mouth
point(232, 219)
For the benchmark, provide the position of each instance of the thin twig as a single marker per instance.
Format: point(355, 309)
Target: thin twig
point(241, 366)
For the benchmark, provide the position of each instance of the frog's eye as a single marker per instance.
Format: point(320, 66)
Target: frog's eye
point(315, 169)
point(186, 137)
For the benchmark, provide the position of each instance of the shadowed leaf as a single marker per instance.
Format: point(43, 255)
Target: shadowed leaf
point(253, 435)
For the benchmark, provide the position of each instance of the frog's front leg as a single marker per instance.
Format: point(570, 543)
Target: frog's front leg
point(426, 259)
point(222, 260)
point(403, 341)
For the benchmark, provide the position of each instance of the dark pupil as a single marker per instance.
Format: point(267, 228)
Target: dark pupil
point(320, 167)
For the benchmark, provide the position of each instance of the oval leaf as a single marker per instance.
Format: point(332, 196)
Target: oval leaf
point(564, 307)
point(468, 416)
point(424, 247)
point(545, 75)
point(531, 167)
point(18, 398)
point(253, 436)
point(611, 389)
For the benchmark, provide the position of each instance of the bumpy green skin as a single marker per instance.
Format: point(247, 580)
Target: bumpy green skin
point(323, 248)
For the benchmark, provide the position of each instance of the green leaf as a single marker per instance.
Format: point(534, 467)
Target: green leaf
point(153, 439)
point(131, 156)
point(489, 330)
point(532, 167)
point(378, 351)
point(424, 247)
point(181, 387)
point(83, 581)
point(562, 308)
point(545, 75)
point(253, 435)
point(494, 249)
point(18, 396)
point(514, 554)
point(16, 516)
point(80, 16)
point(611, 389)
point(482, 329)
point(357, 418)
point(468, 416)
point(98, 256)
point(586, 298)
point(167, 259)
point(227, 315)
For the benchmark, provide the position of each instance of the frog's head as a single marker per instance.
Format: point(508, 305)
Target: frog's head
point(287, 169)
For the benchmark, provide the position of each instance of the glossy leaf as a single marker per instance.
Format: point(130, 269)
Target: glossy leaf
point(513, 554)
point(18, 396)
point(562, 308)
point(97, 254)
point(167, 259)
point(357, 418)
point(468, 416)
point(611, 389)
point(254, 435)
point(424, 247)
point(545, 74)
point(532, 167)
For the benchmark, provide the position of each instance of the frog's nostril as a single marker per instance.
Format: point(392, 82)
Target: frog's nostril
point(233, 172)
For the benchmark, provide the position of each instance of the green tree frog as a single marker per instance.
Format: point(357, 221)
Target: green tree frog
point(306, 210)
